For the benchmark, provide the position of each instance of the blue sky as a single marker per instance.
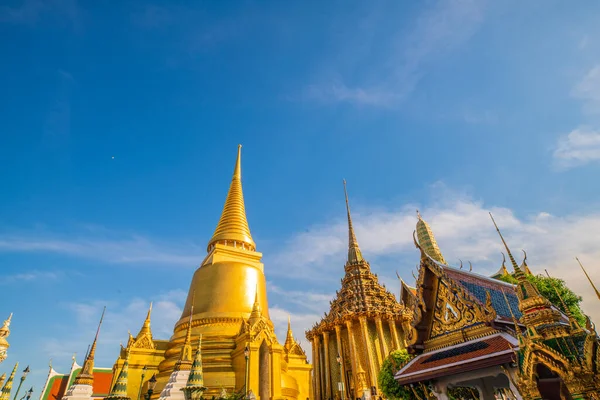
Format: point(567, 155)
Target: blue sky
point(457, 107)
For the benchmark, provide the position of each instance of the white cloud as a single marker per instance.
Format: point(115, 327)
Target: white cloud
point(463, 230)
point(580, 146)
point(30, 276)
point(108, 246)
point(61, 342)
point(440, 29)
point(588, 90)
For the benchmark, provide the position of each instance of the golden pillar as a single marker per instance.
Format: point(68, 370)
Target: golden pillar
point(394, 332)
point(371, 360)
point(338, 338)
point(317, 362)
point(379, 325)
point(327, 367)
point(358, 373)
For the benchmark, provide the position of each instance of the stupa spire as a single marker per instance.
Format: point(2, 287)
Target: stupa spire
point(6, 389)
point(119, 390)
point(427, 240)
point(86, 375)
point(146, 326)
point(233, 229)
point(354, 253)
point(588, 278)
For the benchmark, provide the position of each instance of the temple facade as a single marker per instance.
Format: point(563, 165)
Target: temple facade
point(362, 326)
point(500, 340)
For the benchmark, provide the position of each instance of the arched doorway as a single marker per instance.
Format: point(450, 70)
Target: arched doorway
point(264, 372)
point(550, 384)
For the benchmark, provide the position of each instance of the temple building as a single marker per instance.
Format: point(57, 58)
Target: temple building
point(362, 326)
point(4, 333)
point(226, 305)
point(499, 339)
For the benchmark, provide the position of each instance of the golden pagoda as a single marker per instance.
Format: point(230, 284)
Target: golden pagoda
point(227, 306)
point(363, 326)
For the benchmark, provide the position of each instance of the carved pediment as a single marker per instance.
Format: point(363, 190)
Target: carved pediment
point(144, 342)
point(455, 309)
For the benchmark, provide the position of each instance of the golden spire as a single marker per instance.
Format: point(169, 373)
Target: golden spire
point(588, 277)
point(354, 253)
point(5, 393)
point(195, 382)
point(186, 358)
point(119, 390)
point(2, 378)
point(146, 326)
point(256, 310)
point(289, 339)
point(233, 228)
point(86, 375)
point(427, 240)
point(568, 313)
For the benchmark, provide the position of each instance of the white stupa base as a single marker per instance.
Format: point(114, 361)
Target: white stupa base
point(172, 390)
point(79, 392)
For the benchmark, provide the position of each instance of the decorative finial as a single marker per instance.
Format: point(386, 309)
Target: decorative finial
point(572, 320)
point(588, 278)
point(510, 256)
point(419, 214)
point(461, 264)
point(470, 267)
point(233, 229)
point(354, 253)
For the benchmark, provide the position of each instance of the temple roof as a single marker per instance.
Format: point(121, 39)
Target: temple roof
point(233, 224)
point(478, 286)
point(58, 384)
point(478, 353)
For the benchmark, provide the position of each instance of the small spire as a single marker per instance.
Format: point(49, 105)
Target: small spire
point(256, 310)
point(86, 375)
point(572, 320)
point(510, 256)
point(119, 390)
point(6, 389)
point(524, 265)
point(2, 378)
point(526, 289)
point(289, 339)
point(512, 315)
point(145, 330)
point(233, 229)
point(354, 253)
point(185, 359)
point(196, 379)
point(588, 278)
point(427, 240)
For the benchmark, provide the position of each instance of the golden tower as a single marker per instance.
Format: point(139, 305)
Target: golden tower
point(362, 327)
point(227, 305)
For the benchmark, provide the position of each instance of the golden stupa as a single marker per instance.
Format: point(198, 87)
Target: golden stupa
point(227, 306)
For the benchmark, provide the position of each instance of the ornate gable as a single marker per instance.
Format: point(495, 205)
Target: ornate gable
point(445, 312)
